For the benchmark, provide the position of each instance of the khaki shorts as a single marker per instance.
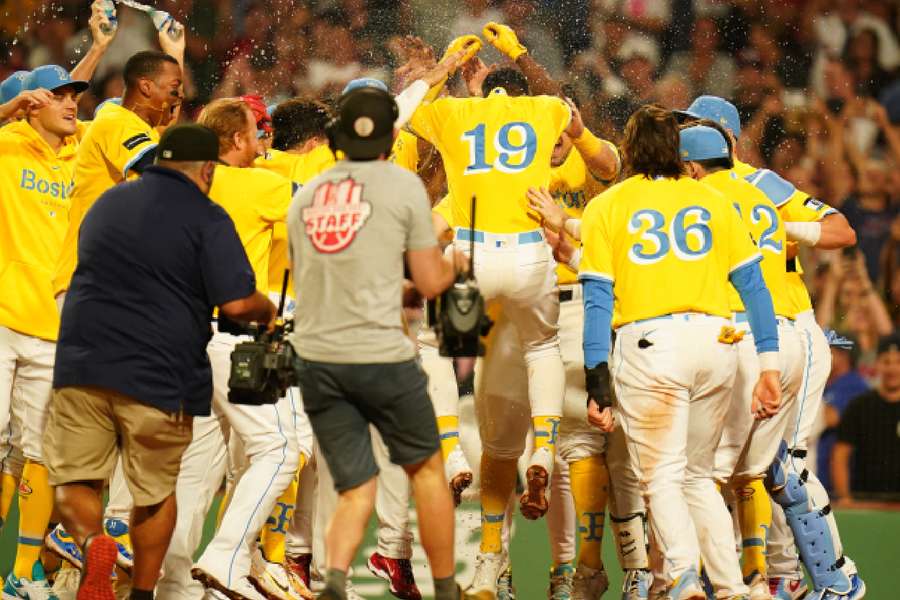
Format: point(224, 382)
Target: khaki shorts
point(88, 428)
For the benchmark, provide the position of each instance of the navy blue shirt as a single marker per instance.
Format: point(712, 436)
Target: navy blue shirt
point(154, 257)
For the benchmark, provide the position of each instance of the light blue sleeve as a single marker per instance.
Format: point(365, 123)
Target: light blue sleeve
point(598, 307)
point(749, 283)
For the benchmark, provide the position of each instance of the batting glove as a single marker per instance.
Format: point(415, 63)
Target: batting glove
point(596, 381)
point(504, 39)
point(470, 43)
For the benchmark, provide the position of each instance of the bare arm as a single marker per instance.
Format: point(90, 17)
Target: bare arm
point(825, 307)
point(431, 272)
point(539, 79)
point(31, 99)
point(255, 307)
point(600, 157)
point(875, 305)
point(840, 469)
point(836, 233)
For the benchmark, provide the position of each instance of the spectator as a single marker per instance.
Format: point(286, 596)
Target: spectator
point(870, 213)
point(869, 433)
point(844, 384)
point(707, 69)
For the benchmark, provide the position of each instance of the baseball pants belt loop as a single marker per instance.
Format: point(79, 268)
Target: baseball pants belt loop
point(499, 240)
point(742, 318)
point(567, 293)
point(680, 316)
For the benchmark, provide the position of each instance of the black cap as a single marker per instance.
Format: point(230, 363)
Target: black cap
point(364, 126)
point(188, 143)
point(888, 343)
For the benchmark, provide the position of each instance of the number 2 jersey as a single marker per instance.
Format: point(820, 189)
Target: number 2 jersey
point(668, 246)
point(494, 148)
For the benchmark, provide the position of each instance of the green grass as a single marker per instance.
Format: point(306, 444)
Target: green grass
point(870, 537)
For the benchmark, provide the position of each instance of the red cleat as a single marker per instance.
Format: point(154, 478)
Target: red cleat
point(99, 561)
point(398, 572)
point(299, 565)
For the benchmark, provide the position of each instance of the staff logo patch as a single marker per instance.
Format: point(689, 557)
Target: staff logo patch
point(336, 215)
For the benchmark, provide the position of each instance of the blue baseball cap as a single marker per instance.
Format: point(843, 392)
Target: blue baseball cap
point(716, 109)
point(12, 85)
point(365, 82)
point(105, 102)
point(53, 77)
point(702, 143)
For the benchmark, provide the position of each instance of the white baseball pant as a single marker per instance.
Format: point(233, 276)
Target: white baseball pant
point(442, 387)
point(561, 515)
point(783, 559)
point(673, 379)
point(627, 511)
point(268, 436)
point(26, 382)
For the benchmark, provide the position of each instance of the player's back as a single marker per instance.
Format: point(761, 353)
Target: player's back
point(494, 148)
point(668, 244)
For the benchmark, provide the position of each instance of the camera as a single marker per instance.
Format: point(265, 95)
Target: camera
point(262, 370)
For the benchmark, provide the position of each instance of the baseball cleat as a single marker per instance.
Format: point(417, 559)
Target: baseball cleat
point(398, 572)
point(299, 566)
point(782, 588)
point(533, 504)
point(686, 587)
point(588, 583)
point(36, 588)
point(459, 474)
point(505, 588)
point(482, 595)
point(636, 585)
point(63, 545)
point(274, 581)
point(561, 583)
point(759, 588)
point(99, 561)
point(488, 566)
point(857, 591)
point(117, 529)
point(242, 590)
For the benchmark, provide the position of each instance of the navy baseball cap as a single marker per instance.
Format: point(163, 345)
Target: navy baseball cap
point(12, 85)
point(716, 109)
point(889, 343)
point(364, 126)
point(702, 143)
point(53, 77)
point(364, 82)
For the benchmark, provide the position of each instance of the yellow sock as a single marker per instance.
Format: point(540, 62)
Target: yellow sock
point(448, 428)
point(498, 480)
point(8, 485)
point(755, 516)
point(223, 506)
point(589, 479)
point(35, 507)
point(272, 537)
point(545, 431)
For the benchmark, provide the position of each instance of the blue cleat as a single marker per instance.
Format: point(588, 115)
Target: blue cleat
point(36, 588)
point(637, 584)
point(561, 579)
point(61, 543)
point(857, 591)
point(686, 587)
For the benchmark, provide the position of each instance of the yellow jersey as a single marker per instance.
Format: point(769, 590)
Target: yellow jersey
point(573, 185)
point(667, 245)
point(35, 191)
point(794, 206)
point(114, 142)
point(255, 199)
point(761, 217)
point(405, 151)
point(298, 168)
point(494, 148)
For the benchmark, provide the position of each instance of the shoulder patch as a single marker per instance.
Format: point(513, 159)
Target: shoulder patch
point(135, 141)
point(778, 189)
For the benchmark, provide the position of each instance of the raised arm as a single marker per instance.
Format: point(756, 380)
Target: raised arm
point(102, 34)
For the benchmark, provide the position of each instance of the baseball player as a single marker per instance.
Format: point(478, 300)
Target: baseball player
point(36, 170)
point(672, 367)
point(495, 148)
point(807, 512)
point(747, 448)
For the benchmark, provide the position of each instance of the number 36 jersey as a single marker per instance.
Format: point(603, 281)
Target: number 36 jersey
point(494, 148)
point(668, 246)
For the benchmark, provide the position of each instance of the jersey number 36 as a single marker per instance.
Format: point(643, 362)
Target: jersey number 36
point(512, 157)
point(688, 241)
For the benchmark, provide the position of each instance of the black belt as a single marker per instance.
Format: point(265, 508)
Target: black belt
point(566, 295)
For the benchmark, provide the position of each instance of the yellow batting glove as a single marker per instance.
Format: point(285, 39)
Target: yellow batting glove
point(504, 39)
point(470, 43)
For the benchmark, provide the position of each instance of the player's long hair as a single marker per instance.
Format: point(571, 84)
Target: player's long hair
point(650, 144)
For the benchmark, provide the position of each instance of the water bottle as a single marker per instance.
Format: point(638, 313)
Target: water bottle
point(109, 9)
point(166, 22)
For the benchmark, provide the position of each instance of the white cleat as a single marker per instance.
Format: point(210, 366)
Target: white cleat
point(588, 583)
point(273, 580)
point(759, 587)
point(488, 566)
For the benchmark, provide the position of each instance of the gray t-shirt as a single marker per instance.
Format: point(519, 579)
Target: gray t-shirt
point(348, 231)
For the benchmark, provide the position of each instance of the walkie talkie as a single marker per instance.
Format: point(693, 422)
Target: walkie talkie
point(460, 316)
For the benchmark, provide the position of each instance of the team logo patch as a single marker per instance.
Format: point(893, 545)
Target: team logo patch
point(24, 488)
point(813, 204)
point(336, 215)
point(133, 142)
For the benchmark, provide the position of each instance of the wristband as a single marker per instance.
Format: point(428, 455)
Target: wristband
point(768, 361)
point(575, 261)
point(573, 228)
point(805, 233)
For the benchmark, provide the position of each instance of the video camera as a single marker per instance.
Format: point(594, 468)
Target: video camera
point(261, 370)
point(458, 315)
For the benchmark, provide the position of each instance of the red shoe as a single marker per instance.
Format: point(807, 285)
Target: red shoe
point(99, 561)
point(299, 565)
point(398, 572)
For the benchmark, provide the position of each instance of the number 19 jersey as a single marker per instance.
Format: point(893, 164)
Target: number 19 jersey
point(494, 148)
point(667, 245)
